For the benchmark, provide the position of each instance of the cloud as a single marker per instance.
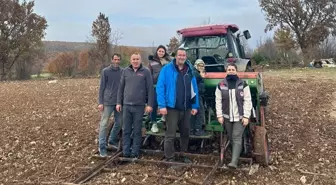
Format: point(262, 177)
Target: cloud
point(146, 22)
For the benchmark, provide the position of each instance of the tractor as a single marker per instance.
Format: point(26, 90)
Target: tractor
point(217, 46)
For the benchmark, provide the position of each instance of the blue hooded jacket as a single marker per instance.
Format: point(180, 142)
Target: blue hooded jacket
point(166, 86)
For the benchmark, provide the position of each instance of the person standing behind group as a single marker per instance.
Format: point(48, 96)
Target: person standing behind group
point(233, 109)
point(177, 96)
point(198, 120)
point(135, 85)
point(160, 58)
point(108, 90)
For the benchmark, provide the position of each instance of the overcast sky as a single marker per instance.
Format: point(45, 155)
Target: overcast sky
point(147, 21)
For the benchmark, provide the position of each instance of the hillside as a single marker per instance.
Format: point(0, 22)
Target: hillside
point(61, 46)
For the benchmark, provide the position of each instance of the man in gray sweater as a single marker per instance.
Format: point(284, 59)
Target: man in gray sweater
point(109, 83)
point(135, 96)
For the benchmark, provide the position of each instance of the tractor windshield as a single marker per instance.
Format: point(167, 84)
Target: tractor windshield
point(198, 47)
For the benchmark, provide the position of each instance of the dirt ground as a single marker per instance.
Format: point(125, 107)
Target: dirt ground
point(49, 131)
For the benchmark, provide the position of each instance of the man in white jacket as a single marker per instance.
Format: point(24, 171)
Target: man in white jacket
point(233, 108)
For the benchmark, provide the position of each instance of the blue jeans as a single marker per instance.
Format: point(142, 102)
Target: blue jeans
point(153, 114)
point(132, 121)
point(103, 127)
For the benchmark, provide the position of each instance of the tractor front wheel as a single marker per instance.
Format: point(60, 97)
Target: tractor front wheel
point(261, 146)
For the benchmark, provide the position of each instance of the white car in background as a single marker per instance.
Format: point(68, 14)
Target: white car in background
point(323, 63)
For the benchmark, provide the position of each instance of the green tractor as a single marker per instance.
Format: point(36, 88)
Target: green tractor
point(217, 46)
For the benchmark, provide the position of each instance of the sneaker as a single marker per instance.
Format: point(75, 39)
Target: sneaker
point(102, 153)
point(134, 156)
point(199, 132)
point(111, 147)
point(186, 159)
point(155, 129)
point(168, 159)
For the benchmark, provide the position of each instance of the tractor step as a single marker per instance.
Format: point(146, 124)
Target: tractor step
point(179, 164)
point(194, 155)
point(162, 134)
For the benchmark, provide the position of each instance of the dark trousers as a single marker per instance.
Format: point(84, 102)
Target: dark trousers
point(132, 121)
point(176, 119)
point(199, 119)
point(153, 115)
point(235, 132)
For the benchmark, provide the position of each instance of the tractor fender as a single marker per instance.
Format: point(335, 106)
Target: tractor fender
point(244, 65)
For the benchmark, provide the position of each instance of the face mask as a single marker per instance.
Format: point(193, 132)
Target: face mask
point(231, 77)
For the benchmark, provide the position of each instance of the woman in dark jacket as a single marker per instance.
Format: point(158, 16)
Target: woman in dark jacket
point(156, 62)
point(197, 121)
point(233, 109)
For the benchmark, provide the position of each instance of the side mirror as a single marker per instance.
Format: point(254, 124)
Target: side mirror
point(150, 57)
point(247, 34)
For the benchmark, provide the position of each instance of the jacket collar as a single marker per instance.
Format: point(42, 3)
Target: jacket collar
point(186, 64)
point(114, 68)
point(139, 69)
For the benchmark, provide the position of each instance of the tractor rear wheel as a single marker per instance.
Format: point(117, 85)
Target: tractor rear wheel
point(249, 68)
point(261, 146)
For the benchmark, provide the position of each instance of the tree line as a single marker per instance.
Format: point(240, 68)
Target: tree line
point(305, 30)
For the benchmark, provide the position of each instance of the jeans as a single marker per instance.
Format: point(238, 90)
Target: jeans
point(104, 125)
point(153, 114)
point(176, 118)
point(132, 118)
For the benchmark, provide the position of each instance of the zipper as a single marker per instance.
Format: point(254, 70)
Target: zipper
point(134, 73)
point(231, 102)
point(175, 87)
point(185, 90)
point(185, 93)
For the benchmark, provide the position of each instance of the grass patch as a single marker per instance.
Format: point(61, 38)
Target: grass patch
point(42, 75)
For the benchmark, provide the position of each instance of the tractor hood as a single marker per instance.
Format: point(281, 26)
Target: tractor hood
point(211, 80)
point(242, 75)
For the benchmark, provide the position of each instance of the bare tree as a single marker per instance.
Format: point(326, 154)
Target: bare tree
point(310, 20)
point(206, 21)
point(327, 49)
point(116, 36)
point(21, 31)
point(267, 49)
point(173, 44)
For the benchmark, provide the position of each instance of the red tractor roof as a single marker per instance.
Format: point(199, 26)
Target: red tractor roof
point(207, 30)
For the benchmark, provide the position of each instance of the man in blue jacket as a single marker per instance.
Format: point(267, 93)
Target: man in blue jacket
point(177, 96)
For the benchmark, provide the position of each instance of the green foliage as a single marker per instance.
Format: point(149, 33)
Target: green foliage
point(124, 60)
point(21, 29)
point(258, 58)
